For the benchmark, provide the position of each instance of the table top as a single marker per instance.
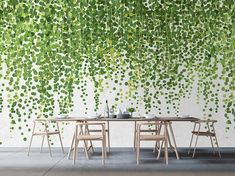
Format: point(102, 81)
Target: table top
point(74, 119)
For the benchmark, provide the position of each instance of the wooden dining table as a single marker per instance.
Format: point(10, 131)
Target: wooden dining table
point(132, 119)
point(171, 136)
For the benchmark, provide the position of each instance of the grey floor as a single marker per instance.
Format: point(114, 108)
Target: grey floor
point(120, 161)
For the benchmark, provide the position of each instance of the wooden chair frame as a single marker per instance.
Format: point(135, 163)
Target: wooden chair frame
point(97, 130)
point(46, 133)
point(82, 135)
point(153, 137)
point(209, 133)
point(158, 127)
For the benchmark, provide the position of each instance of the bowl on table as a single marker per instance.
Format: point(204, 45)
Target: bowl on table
point(93, 116)
point(149, 116)
point(62, 116)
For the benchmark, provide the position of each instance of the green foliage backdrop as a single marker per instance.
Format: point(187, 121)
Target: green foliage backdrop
point(161, 48)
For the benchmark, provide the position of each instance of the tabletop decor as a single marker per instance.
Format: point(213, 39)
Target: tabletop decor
point(131, 110)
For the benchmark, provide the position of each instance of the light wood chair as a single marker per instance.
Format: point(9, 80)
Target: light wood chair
point(171, 139)
point(209, 125)
point(90, 131)
point(143, 135)
point(158, 127)
point(155, 129)
point(81, 134)
point(45, 133)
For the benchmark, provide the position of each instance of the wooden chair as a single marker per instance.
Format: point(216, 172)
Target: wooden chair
point(171, 139)
point(90, 131)
point(209, 125)
point(155, 130)
point(82, 135)
point(45, 133)
point(143, 135)
point(158, 127)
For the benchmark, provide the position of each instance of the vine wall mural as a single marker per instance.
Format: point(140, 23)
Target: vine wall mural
point(162, 48)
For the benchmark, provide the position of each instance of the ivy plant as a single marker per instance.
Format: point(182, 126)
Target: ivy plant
point(149, 50)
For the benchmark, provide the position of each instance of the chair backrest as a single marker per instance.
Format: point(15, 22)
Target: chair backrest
point(40, 124)
point(205, 125)
point(206, 121)
point(84, 126)
point(97, 127)
point(154, 128)
point(43, 124)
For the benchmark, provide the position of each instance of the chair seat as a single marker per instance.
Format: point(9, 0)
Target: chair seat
point(95, 130)
point(152, 130)
point(90, 137)
point(203, 133)
point(152, 137)
point(44, 133)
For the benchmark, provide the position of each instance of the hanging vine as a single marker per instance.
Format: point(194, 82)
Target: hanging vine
point(149, 50)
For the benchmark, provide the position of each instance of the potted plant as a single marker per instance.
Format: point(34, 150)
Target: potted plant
point(131, 110)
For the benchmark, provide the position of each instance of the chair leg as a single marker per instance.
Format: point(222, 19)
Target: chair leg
point(49, 146)
point(71, 147)
point(48, 141)
point(85, 142)
point(105, 146)
point(43, 137)
point(108, 142)
point(103, 151)
point(60, 137)
point(87, 131)
point(138, 150)
point(212, 145)
point(91, 146)
point(108, 137)
point(103, 142)
point(199, 126)
point(217, 146)
point(156, 147)
point(194, 150)
point(159, 151)
point(86, 149)
point(166, 151)
point(190, 145)
point(31, 140)
point(166, 143)
point(75, 145)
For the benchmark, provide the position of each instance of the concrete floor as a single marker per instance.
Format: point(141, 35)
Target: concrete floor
point(120, 161)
